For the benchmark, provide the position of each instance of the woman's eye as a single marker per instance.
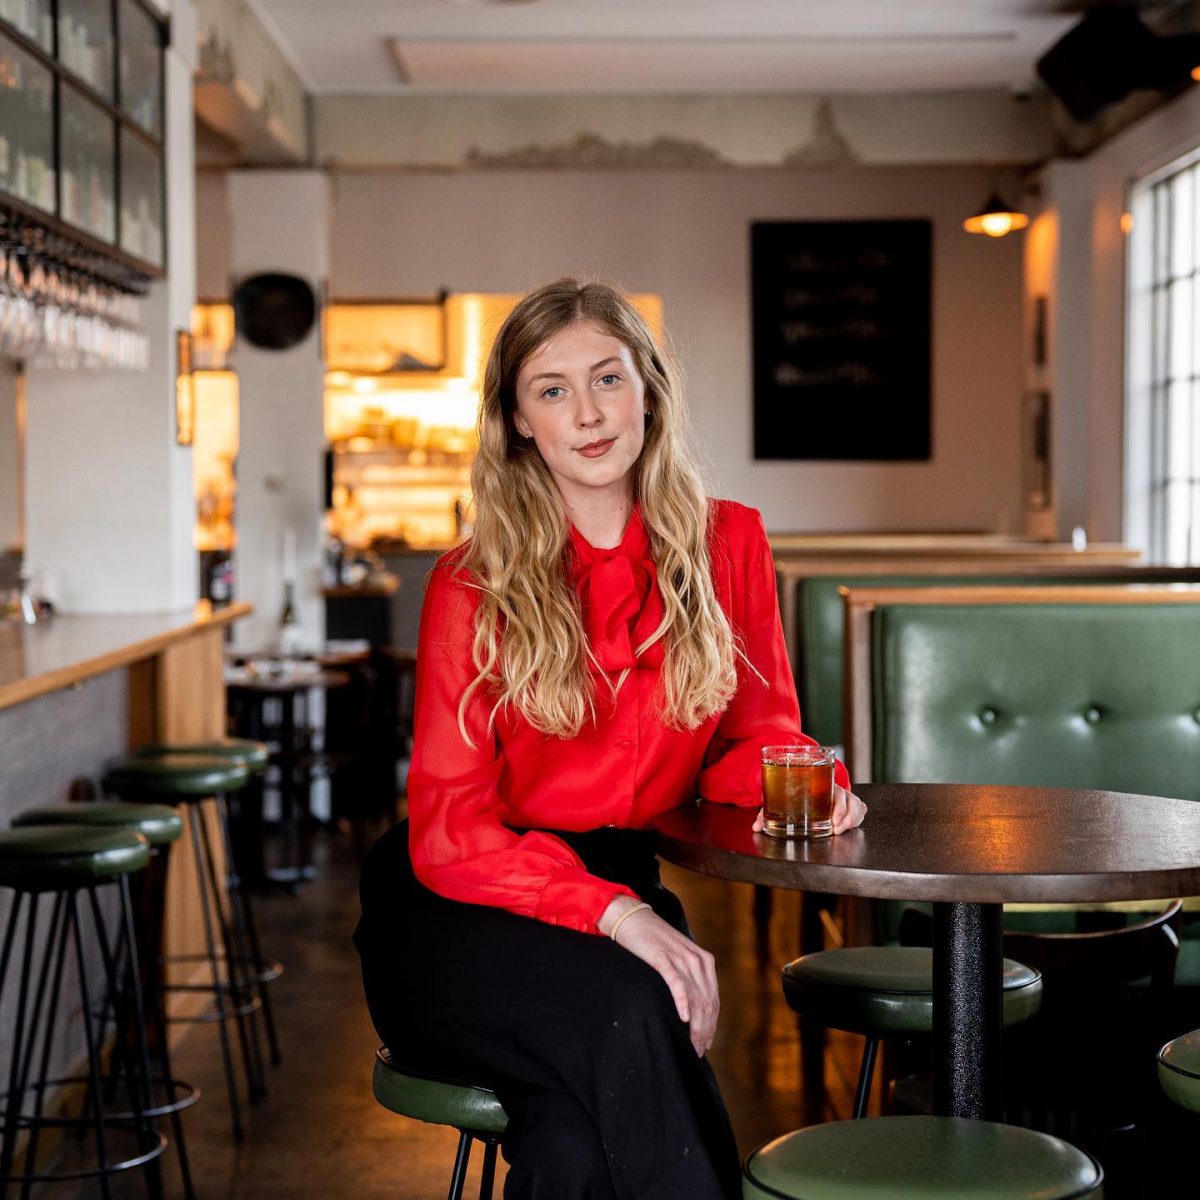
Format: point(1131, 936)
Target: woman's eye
point(610, 378)
point(552, 393)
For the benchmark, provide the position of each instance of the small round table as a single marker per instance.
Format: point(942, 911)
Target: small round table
point(290, 688)
point(970, 849)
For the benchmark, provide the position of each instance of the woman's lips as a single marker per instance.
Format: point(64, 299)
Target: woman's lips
point(596, 449)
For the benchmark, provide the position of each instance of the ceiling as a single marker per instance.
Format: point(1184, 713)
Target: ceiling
point(668, 46)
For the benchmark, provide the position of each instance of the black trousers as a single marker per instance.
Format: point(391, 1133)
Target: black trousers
point(579, 1038)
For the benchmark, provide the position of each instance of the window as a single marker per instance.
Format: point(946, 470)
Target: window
point(1163, 434)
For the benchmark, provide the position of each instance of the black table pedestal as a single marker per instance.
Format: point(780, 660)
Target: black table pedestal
point(968, 1011)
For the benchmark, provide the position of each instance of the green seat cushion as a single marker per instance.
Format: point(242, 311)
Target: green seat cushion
point(438, 1101)
point(878, 990)
point(41, 858)
point(157, 823)
point(1179, 1070)
point(173, 775)
point(253, 755)
point(914, 1158)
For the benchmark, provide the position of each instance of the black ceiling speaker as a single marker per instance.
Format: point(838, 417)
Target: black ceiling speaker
point(1111, 53)
point(274, 311)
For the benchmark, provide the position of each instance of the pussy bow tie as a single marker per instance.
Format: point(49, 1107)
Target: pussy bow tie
point(621, 609)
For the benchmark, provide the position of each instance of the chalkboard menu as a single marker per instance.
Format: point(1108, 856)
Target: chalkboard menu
point(841, 315)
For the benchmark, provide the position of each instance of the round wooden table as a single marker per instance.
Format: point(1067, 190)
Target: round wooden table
point(970, 849)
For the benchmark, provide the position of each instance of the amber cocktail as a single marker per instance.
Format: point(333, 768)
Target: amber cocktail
point(797, 791)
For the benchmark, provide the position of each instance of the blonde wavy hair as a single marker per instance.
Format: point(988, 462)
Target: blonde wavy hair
point(529, 645)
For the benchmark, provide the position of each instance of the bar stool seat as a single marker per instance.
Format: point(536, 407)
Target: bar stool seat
point(254, 756)
point(913, 1158)
point(882, 990)
point(48, 858)
point(888, 989)
point(473, 1110)
point(1179, 1070)
point(159, 824)
point(176, 775)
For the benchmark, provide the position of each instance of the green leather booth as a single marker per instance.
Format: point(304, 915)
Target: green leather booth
point(1056, 695)
point(820, 627)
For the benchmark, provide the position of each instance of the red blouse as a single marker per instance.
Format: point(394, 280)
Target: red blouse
point(624, 769)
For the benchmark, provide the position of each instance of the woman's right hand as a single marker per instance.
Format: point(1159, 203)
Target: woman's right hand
point(688, 971)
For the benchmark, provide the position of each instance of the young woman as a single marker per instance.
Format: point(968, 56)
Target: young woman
point(605, 647)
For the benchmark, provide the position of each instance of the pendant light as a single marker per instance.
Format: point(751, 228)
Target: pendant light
point(996, 218)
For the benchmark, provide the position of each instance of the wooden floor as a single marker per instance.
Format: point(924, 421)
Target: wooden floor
point(319, 1133)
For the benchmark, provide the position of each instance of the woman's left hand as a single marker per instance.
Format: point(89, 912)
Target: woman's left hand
point(848, 811)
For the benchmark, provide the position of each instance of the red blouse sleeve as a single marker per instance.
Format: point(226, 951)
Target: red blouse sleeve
point(764, 711)
point(460, 846)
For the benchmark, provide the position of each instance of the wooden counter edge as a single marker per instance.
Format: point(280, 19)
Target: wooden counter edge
point(204, 617)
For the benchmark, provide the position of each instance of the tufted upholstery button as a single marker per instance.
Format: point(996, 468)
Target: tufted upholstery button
point(987, 716)
point(1091, 715)
point(1196, 716)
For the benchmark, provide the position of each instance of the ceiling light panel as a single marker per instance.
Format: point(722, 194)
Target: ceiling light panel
point(909, 64)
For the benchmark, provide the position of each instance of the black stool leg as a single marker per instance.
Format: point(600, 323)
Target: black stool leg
point(56, 952)
point(195, 823)
point(92, 1050)
point(234, 966)
point(245, 934)
point(131, 1037)
point(862, 1094)
point(487, 1179)
point(141, 968)
point(12, 1115)
point(462, 1160)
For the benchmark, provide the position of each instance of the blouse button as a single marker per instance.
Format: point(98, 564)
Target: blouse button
point(624, 744)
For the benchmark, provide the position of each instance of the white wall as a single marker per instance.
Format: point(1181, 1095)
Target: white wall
point(685, 235)
point(1085, 201)
point(109, 506)
point(414, 130)
point(280, 222)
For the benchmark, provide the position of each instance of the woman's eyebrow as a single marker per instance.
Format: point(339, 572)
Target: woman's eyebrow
point(559, 375)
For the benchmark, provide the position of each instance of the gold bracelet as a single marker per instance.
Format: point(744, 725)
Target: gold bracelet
point(612, 933)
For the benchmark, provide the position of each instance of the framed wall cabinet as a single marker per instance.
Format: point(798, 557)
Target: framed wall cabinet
point(81, 123)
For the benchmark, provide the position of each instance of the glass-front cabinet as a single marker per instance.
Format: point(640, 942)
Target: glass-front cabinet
point(140, 67)
point(141, 199)
point(81, 122)
point(88, 166)
point(26, 127)
point(85, 42)
point(33, 18)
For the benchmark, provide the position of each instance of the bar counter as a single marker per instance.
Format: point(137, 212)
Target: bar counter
point(66, 650)
point(77, 691)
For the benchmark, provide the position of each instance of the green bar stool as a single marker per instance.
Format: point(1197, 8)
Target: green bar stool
point(914, 1158)
point(74, 868)
point(243, 828)
point(254, 756)
point(1179, 1070)
point(160, 826)
point(189, 780)
point(473, 1110)
point(883, 990)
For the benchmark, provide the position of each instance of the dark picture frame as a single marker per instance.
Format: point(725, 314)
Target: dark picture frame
point(841, 315)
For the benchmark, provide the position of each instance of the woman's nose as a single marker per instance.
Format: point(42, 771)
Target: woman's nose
point(588, 412)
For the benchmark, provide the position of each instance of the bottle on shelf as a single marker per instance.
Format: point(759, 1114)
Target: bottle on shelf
point(290, 637)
